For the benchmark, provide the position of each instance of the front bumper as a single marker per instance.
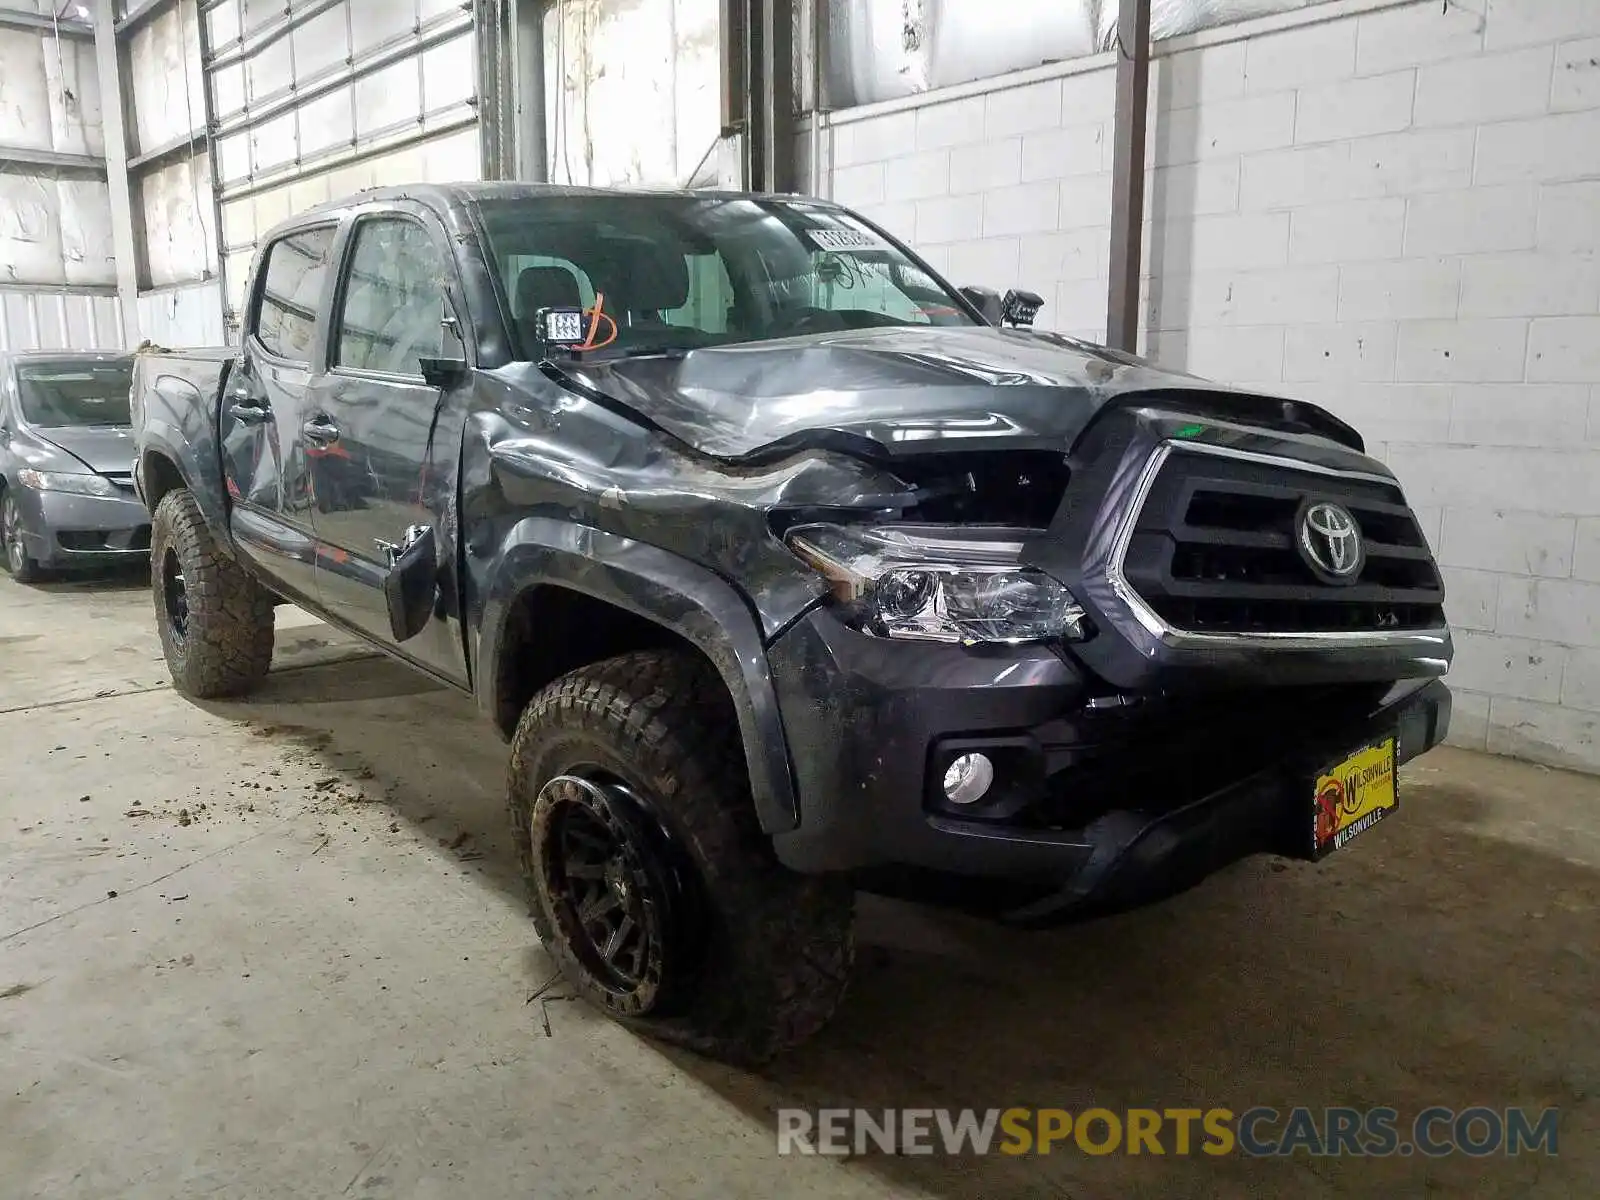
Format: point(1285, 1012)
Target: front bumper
point(1100, 801)
point(65, 529)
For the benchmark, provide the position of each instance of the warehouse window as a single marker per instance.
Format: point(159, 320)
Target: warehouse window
point(393, 307)
point(291, 290)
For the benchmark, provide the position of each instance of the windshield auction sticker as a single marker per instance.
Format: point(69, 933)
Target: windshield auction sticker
point(843, 241)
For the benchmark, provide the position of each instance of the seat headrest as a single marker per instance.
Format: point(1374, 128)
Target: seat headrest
point(645, 278)
point(546, 287)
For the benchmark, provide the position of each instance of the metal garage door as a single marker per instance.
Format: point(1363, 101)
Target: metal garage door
point(329, 97)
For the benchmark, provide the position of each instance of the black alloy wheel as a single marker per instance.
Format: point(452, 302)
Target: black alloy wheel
point(175, 596)
point(614, 888)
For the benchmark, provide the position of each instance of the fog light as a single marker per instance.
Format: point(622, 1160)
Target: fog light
point(968, 778)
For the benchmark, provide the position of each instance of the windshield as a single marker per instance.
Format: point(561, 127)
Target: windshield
point(56, 395)
point(682, 272)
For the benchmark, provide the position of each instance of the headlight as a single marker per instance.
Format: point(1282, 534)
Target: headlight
point(58, 481)
point(938, 584)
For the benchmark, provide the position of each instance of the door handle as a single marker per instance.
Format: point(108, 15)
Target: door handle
point(320, 431)
point(249, 414)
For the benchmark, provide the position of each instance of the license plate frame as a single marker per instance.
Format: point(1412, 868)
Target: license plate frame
point(1352, 794)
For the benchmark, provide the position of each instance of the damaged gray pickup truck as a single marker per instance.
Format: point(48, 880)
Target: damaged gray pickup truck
point(788, 569)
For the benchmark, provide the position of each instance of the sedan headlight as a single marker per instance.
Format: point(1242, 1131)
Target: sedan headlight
point(59, 481)
point(938, 584)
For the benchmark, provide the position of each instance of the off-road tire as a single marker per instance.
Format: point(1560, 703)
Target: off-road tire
point(776, 947)
point(227, 646)
point(28, 570)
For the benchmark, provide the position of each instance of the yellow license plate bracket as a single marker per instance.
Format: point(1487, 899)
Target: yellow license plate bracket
point(1352, 796)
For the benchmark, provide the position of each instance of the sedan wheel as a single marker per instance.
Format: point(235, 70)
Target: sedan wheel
point(23, 569)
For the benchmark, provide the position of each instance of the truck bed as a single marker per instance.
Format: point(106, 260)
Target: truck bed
point(174, 409)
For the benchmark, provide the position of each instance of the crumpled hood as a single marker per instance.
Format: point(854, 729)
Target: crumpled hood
point(908, 390)
point(108, 450)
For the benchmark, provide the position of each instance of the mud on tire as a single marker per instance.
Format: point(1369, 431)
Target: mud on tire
point(772, 949)
point(221, 644)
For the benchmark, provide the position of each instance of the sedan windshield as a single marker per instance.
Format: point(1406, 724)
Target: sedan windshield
point(58, 395)
point(681, 272)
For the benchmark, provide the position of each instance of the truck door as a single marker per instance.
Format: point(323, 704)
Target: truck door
point(263, 410)
point(396, 436)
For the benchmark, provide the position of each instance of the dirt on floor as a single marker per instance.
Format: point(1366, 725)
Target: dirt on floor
point(278, 948)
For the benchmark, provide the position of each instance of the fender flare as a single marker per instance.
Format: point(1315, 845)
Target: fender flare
point(670, 591)
point(201, 473)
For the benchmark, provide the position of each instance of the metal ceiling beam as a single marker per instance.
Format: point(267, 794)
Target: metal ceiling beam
point(59, 289)
point(140, 14)
point(184, 146)
point(11, 18)
point(1128, 174)
point(53, 161)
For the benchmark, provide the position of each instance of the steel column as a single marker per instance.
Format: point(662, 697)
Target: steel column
point(1128, 174)
point(208, 107)
point(527, 41)
point(775, 101)
point(11, 18)
point(113, 107)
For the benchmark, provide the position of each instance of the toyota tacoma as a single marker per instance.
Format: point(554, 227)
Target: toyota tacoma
point(788, 569)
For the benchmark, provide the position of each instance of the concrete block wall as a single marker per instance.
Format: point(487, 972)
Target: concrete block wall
point(1391, 208)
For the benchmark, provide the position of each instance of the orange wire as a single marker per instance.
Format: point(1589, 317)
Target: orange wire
point(598, 314)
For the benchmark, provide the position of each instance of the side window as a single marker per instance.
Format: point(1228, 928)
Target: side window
point(393, 299)
point(286, 316)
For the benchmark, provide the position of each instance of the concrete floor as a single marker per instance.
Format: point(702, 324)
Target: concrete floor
point(276, 948)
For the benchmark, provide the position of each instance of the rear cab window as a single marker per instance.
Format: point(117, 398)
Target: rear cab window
point(293, 279)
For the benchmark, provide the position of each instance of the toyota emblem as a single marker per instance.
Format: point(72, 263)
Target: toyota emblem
point(1331, 542)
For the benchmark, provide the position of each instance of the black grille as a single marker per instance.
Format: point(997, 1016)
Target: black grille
point(1214, 550)
point(94, 541)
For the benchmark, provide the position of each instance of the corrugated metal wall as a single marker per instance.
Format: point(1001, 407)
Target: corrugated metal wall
point(57, 274)
point(40, 319)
